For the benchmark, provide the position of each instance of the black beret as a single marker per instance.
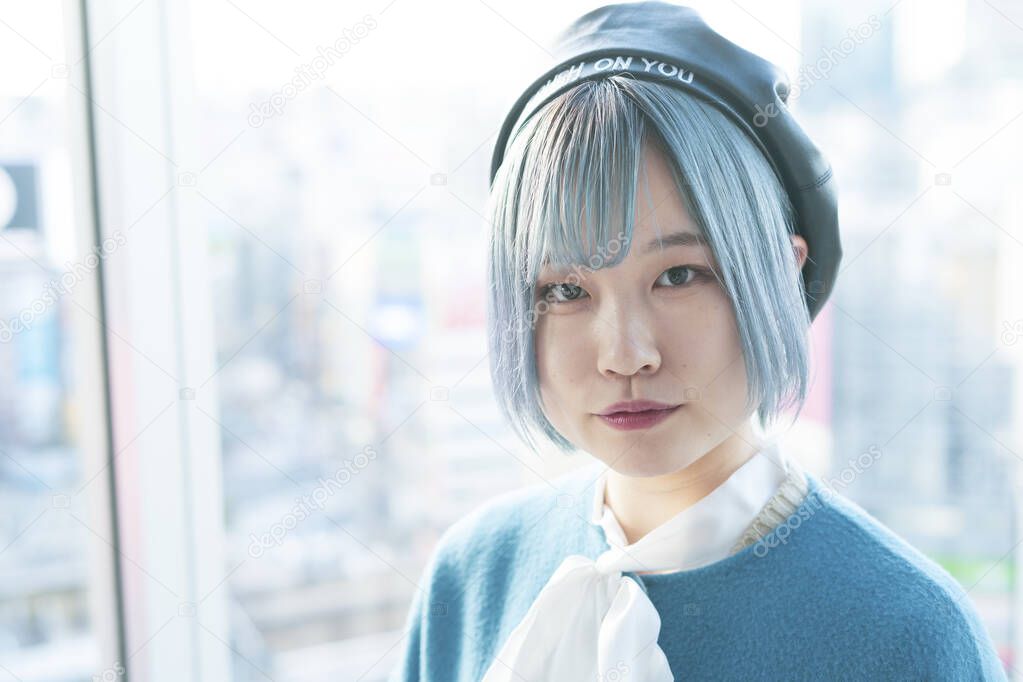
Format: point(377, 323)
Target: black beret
point(671, 44)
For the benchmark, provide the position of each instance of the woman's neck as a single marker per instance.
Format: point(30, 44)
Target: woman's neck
point(641, 504)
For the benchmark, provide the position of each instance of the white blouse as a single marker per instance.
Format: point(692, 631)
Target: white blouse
point(706, 531)
point(589, 617)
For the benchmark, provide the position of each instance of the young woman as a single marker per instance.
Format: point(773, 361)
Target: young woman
point(663, 234)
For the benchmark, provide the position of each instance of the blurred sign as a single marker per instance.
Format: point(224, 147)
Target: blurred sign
point(18, 196)
point(398, 321)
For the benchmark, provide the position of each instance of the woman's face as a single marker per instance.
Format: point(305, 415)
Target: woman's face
point(657, 326)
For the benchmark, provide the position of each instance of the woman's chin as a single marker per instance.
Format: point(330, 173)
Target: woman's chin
point(642, 464)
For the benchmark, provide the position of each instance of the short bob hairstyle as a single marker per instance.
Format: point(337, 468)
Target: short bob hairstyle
point(580, 155)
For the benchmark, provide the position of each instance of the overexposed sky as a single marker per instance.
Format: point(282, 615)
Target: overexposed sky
point(448, 43)
point(243, 45)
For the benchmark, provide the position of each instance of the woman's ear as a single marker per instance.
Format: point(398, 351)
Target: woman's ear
point(801, 249)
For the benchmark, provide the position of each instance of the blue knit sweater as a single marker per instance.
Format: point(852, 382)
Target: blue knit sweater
point(830, 594)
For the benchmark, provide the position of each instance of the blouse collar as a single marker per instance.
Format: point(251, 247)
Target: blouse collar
point(706, 531)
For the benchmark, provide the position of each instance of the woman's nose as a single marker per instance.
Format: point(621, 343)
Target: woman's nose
point(626, 343)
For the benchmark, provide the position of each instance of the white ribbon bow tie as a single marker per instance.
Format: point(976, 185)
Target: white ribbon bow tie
point(592, 602)
point(592, 623)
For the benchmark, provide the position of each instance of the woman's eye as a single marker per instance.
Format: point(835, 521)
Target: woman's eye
point(567, 292)
point(679, 275)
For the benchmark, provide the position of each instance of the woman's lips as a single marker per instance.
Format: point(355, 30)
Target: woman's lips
point(630, 421)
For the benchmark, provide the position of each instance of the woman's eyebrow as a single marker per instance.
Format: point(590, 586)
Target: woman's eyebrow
point(675, 239)
point(681, 238)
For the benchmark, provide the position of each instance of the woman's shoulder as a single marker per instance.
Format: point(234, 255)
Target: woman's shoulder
point(857, 539)
point(872, 568)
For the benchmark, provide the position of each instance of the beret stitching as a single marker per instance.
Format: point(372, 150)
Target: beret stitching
point(818, 182)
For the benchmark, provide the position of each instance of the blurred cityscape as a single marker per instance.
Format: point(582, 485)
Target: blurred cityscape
point(384, 375)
